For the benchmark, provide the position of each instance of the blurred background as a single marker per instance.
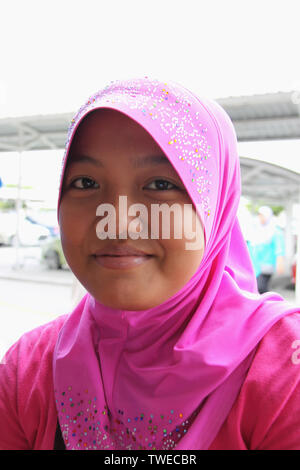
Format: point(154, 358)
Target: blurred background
point(54, 55)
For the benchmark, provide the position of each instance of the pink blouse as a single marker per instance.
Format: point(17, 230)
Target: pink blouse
point(265, 416)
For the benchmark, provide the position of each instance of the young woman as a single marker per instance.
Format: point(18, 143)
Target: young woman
point(172, 347)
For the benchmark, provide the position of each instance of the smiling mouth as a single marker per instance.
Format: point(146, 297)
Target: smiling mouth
point(121, 257)
point(116, 261)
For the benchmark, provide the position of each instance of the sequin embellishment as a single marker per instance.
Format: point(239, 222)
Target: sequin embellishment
point(174, 114)
point(86, 427)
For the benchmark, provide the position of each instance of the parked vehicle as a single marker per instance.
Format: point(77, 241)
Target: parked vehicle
point(29, 234)
point(47, 219)
point(52, 254)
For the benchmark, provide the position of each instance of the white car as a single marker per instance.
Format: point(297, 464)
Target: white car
point(29, 234)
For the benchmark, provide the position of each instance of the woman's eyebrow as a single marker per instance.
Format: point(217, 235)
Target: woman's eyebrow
point(85, 159)
point(149, 160)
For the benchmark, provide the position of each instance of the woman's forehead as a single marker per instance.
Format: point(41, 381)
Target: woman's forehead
point(103, 121)
point(109, 129)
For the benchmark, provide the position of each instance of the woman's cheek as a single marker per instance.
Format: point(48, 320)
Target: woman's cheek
point(74, 222)
point(187, 227)
point(193, 231)
point(185, 254)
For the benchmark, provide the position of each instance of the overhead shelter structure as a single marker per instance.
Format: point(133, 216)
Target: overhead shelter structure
point(263, 117)
point(270, 117)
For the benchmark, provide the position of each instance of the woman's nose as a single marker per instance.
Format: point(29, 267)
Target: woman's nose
point(122, 218)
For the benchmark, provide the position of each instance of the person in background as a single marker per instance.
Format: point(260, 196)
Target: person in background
point(267, 249)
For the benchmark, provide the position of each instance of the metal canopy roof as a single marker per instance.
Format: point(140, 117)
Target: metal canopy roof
point(262, 117)
point(41, 132)
point(269, 183)
point(256, 117)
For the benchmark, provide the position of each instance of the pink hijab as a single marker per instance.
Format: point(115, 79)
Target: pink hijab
point(167, 377)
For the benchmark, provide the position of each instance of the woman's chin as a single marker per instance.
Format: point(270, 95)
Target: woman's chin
point(119, 302)
point(134, 306)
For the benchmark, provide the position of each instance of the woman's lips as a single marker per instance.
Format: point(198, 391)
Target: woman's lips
point(121, 257)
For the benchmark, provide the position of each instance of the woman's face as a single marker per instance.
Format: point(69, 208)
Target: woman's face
point(112, 156)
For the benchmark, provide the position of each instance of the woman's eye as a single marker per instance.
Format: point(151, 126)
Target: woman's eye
point(84, 183)
point(161, 185)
